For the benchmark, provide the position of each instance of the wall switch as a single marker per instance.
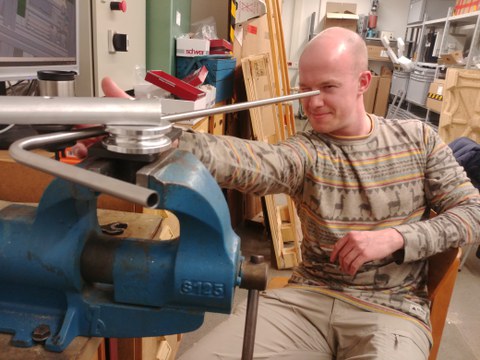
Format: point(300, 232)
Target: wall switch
point(117, 42)
point(178, 18)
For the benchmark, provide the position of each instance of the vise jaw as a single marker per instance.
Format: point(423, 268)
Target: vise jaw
point(58, 270)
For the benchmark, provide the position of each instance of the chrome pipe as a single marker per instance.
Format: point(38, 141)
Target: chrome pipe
point(35, 110)
point(104, 184)
point(237, 107)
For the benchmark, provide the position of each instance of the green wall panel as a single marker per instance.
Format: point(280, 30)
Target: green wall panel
point(162, 30)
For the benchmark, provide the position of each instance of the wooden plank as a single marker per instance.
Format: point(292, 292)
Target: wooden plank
point(460, 109)
point(258, 84)
point(273, 34)
point(279, 60)
point(256, 72)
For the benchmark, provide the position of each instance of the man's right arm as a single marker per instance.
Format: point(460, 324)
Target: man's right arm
point(248, 165)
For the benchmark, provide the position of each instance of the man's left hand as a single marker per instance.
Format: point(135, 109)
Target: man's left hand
point(358, 247)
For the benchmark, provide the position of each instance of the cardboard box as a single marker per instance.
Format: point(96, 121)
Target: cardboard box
point(249, 9)
point(251, 38)
point(220, 73)
point(145, 90)
point(177, 106)
point(216, 124)
point(342, 8)
point(220, 47)
point(342, 15)
point(376, 97)
point(452, 58)
point(378, 53)
point(383, 92)
point(370, 94)
point(174, 85)
point(199, 126)
point(197, 77)
point(192, 47)
point(435, 96)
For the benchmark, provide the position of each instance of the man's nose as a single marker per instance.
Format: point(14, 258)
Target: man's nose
point(316, 100)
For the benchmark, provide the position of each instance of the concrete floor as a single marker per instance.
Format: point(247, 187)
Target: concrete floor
point(461, 337)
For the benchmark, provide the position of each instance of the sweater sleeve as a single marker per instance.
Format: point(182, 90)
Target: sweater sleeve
point(451, 195)
point(251, 166)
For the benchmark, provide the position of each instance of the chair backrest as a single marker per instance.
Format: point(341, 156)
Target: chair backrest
point(442, 273)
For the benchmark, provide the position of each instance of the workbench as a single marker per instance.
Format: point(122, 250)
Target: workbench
point(24, 184)
point(155, 225)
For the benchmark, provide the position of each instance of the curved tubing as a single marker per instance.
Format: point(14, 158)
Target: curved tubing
point(104, 184)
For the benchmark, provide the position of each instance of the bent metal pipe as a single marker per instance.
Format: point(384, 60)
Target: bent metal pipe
point(105, 184)
point(104, 111)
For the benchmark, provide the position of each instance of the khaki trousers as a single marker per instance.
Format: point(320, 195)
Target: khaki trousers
point(298, 324)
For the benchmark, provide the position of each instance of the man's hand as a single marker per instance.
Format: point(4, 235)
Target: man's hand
point(358, 247)
point(111, 89)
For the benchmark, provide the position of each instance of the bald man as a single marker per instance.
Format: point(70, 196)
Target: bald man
point(362, 185)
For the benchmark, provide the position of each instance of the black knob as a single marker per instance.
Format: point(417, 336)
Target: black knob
point(118, 5)
point(120, 42)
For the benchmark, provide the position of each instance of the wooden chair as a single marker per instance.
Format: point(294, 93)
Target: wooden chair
point(442, 273)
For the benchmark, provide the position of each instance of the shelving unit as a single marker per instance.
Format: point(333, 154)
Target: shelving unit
point(426, 42)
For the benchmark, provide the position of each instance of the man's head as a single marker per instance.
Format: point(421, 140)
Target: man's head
point(336, 63)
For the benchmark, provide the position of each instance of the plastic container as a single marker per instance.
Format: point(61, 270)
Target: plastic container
point(399, 82)
point(418, 85)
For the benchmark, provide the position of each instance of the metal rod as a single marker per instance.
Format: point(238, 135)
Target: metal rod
point(254, 277)
point(250, 325)
point(36, 110)
point(237, 107)
point(117, 188)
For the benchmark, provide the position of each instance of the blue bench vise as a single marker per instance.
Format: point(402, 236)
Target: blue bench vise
point(61, 277)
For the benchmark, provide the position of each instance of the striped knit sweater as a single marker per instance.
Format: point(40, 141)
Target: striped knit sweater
point(385, 179)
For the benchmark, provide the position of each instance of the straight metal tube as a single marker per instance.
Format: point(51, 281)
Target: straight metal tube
point(35, 110)
point(104, 184)
point(237, 107)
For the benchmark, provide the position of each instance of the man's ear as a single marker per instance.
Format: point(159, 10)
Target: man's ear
point(364, 81)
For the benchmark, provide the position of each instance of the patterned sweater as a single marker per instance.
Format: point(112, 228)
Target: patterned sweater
point(386, 179)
